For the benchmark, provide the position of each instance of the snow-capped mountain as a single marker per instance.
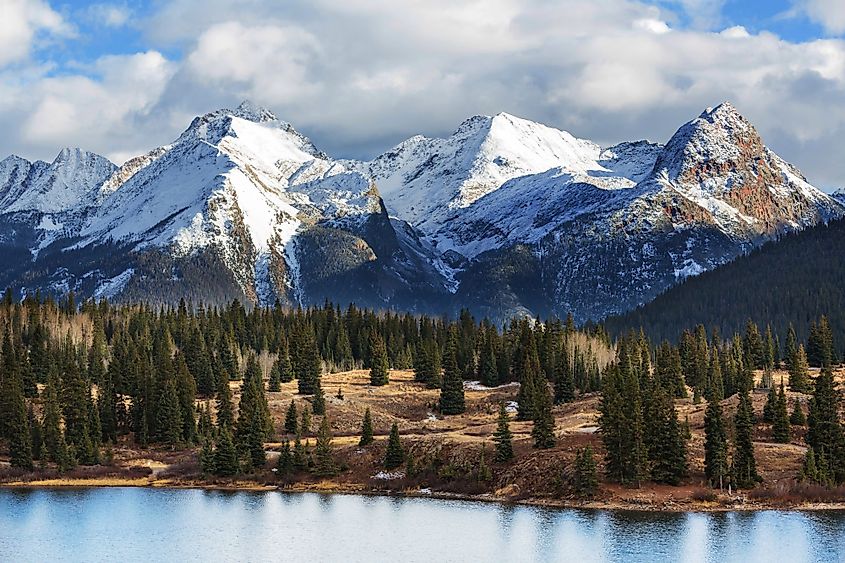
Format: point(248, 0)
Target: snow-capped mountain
point(246, 197)
point(504, 216)
point(839, 195)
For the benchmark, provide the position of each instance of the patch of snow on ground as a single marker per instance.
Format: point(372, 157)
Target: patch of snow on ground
point(512, 407)
point(111, 287)
point(477, 386)
point(389, 475)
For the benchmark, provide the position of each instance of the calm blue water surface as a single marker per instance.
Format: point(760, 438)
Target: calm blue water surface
point(158, 525)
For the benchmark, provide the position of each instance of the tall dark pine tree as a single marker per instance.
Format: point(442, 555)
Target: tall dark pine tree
point(20, 439)
point(564, 378)
point(716, 467)
point(781, 431)
point(378, 361)
point(452, 391)
point(225, 455)
point(799, 371)
point(667, 445)
point(503, 438)
point(291, 418)
point(394, 456)
point(366, 429)
point(824, 432)
point(324, 464)
point(488, 372)
point(621, 423)
point(543, 431)
point(744, 468)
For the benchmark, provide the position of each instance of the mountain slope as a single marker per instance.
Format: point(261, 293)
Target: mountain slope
point(795, 279)
point(607, 237)
point(241, 192)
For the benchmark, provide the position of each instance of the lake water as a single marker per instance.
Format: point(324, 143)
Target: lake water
point(158, 525)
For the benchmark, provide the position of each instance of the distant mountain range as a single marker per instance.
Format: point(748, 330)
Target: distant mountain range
point(505, 216)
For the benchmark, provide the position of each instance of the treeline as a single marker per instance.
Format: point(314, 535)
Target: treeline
point(793, 280)
point(644, 439)
point(76, 377)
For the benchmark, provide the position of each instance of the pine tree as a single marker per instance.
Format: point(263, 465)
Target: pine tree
point(255, 439)
point(564, 379)
point(225, 454)
point(744, 468)
point(621, 423)
point(318, 403)
point(715, 444)
point(824, 432)
point(378, 361)
point(809, 471)
point(20, 438)
point(781, 430)
point(667, 445)
point(394, 456)
point(305, 422)
point(275, 384)
point(503, 438)
point(797, 417)
point(300, 456)
point(225, 413)
point(452, 391)
point(324, 465)
point(488, 374)
point(585, 476)
point(543, 431)
point(284, 466)
point(291, 422)
point(366, 429)
point(799, 371)
point(769, 407)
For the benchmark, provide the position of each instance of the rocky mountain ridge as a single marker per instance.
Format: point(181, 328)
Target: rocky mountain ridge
point(505, 216)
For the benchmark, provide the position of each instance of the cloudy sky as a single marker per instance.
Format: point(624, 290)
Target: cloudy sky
point(357, 76)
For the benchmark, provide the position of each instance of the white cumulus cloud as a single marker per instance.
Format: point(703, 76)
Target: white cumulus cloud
point(22, 23)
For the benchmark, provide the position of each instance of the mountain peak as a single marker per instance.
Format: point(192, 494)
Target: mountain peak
point(251, 112)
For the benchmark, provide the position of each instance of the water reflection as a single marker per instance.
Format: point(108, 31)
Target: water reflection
point(193, 525)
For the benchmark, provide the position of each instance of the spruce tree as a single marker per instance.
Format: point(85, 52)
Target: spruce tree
point(824, 432)
point(797, 417)
point(488, 374)
point(744, 468)
point(275, 383)
point(716, 467)
point(255, 439)
point(225, 455)
point(20, 438)
point(781, 430)
point(318, 403)
point(564, 379)
point(305, 421)
point(324, 464)
point(284, 465)
point(799, 371)
point(366, 429)
point(621, 422)
point(585, 477)
point(300, 456)
point(378, 361)
point(667, 445)
point(452, 391)
point(543, 431)
point(771, 404)
point(291, 422)
point(225, 412)
point(503, 438)
point(394, 456)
